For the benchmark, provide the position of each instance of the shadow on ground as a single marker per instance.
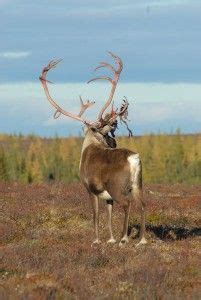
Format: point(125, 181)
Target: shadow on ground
point(165, 232)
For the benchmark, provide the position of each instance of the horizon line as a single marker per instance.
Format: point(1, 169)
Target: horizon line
point(56, 135)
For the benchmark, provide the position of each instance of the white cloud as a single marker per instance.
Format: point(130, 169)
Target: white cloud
point(153, 106)
point(15, 54)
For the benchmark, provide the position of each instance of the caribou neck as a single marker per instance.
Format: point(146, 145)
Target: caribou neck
point(91, 139)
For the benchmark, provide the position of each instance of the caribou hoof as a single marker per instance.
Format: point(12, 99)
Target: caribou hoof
point(111, 241)
point(123, 241)
point(96, 242)
point(143, 241)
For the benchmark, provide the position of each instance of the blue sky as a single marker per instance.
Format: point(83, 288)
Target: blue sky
point(158, 40)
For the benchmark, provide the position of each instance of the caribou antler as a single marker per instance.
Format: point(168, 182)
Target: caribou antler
point(123, 112)
point(83, 106)
point(113, 81)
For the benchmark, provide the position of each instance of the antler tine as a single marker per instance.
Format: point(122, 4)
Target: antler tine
point(101, 78)
point(118, 61)
point(109, 66)
point(122, 113)
point(84, 106)
point(104, 64)
point(52, 64)
point(112, 81)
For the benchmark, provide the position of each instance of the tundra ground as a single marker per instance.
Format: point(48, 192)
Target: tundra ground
point(46, 233)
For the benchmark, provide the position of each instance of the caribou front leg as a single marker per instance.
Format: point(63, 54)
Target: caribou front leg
point(109, 209)
point(95, 206)
point(124, 238)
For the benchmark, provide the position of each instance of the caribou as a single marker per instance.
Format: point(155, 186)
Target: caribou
point(109, 173)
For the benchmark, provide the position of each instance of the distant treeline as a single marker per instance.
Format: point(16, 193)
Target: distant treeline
point(165, 158)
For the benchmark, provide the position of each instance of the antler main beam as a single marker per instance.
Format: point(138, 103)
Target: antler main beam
point(114, 81)
point(83, 106)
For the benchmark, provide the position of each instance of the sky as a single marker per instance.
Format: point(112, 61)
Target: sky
point(158, 41)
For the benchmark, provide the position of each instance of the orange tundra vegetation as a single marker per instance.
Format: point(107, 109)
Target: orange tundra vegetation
point(45, 251)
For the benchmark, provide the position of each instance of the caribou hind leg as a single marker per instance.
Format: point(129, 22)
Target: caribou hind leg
point(124, 238)
point(136, 176)
point(139, 196)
